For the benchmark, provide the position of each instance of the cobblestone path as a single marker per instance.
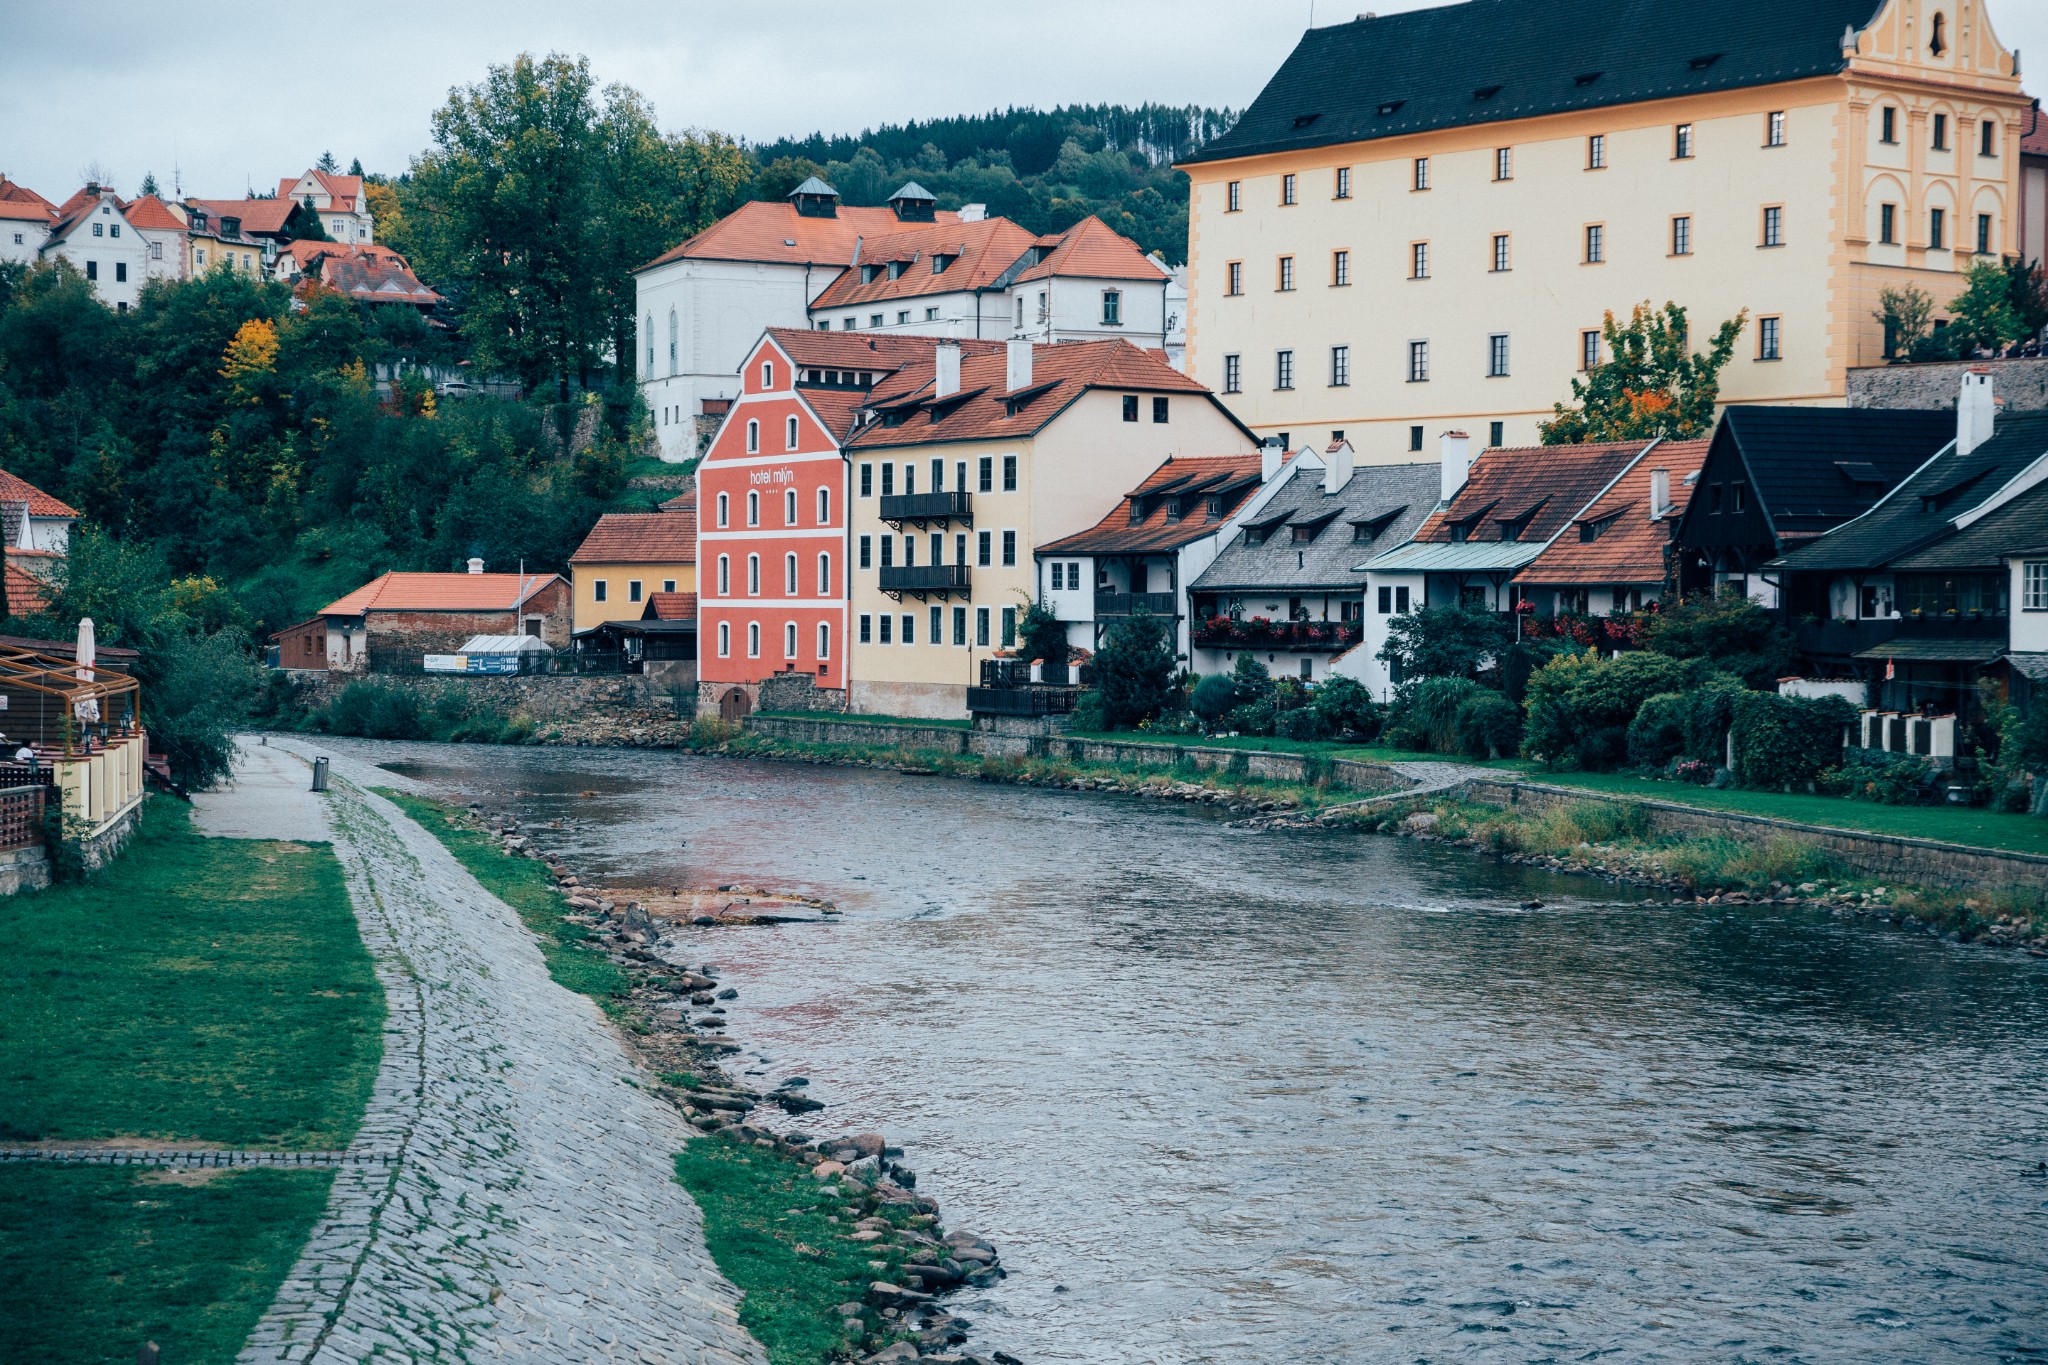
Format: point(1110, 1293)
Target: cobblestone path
point(530, 1211)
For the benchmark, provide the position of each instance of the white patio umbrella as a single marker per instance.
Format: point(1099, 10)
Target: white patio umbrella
point(89, 708)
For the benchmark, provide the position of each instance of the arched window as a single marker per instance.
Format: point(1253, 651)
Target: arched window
point(767, 374)
point(724, 509)
point(753, 437)
point(725, 575)
point(824, 507)
point(671, 341)
point(789, 575)
point(753, 575)
point(789, 434)
point(789, 507)
point(824, 641)
point(753, 639)
point(724, 640)
point(824, 575)
point(753, 508)
point(650, 345)
point(789, 640)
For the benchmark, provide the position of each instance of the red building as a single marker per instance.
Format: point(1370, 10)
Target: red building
point(771, 517)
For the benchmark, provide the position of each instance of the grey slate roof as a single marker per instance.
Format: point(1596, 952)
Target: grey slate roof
point(1330, 560)
point(1485, 61)
point(1984, 543)
point(1815, 468)
point(1920, 511)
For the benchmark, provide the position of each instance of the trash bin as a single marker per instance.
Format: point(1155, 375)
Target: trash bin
point(319, 774)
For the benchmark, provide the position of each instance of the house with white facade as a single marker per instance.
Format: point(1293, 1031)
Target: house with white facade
point(25, 219)
point(91, 230)
point(344, 212)
point(163, 227)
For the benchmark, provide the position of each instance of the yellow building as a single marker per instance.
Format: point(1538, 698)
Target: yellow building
point(973, 459)
point(215, 241)
point(630, 556)
point(1421, 221)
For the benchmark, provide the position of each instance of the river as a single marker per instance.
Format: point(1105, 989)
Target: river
point(1228, 1097)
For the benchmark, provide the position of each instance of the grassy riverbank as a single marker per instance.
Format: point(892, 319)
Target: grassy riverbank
point(198, 992)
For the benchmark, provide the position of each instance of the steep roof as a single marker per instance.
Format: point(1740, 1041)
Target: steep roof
point(1484, 61)
point(878, 355)
point(983, 409)
point(641, 538)
point(346, 191)
point(778, 234)
point(1534, 490)
point(1091, 249)
point(265, 217)
point(670, 606)
point(375, 279)
point(40, 504)
point(307, 252)
point(1383, 502)
point(2018, 526)
point(441, 592)
point(27, 590)
point(1629, 536)
point(902, 262)
point(153, 213)
point(1193, 479)
point(1815, 468)
point(22, 203)
point(2034, 142)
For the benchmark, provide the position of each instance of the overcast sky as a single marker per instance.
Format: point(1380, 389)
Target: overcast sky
point(241, 98)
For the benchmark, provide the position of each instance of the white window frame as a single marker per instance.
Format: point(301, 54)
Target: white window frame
point(753, 436)
point(753, 639)
point(789, 507)
point(753, 507)
point(824, 506)
point(825, 574)
point(2034, 585)
point(789, 639)
point(789, 433)
point(725, 639)
point(725, 575)
point(724, 509)
point(789, 574)
point(753, 575)
point(824, 641)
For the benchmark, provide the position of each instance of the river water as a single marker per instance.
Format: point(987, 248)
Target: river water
point(1228, 1097)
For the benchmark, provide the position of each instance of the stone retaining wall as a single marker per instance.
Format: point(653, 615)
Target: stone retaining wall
point(2020, 384)
point(538, 697)
point(825, 728)
point(1927, 862)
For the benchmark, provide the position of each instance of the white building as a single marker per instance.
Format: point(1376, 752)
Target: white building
point(92, 231)
point(163, 227)
point(25, 219)
point(344, 213)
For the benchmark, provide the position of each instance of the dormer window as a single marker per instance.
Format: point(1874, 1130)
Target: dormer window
point(870, 273)
point(1213, 507)
point(1592, 530)
point(1485, 92)
point(1174, 509)
point(895, 270)
point(940, 261)
point(1585, 79)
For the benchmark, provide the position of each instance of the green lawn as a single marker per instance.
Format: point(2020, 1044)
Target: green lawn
point(95, 1261)
point(525, 885)
point(772, 1232)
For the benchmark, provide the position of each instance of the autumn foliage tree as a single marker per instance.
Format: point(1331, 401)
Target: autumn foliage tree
point(1653, 383)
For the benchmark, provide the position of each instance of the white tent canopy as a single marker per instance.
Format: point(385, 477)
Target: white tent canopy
point(507, 644)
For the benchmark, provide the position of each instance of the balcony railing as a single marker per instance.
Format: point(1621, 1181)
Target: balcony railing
point(923, 580)
point(1841, 638)
point(1223, 632)
point(1021, 701)
point(923, 509)
point(1131, 603)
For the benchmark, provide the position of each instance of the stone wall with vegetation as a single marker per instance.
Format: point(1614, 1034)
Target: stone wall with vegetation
point(2021, 384)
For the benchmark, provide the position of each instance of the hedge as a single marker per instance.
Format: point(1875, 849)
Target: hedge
point(1785, 742)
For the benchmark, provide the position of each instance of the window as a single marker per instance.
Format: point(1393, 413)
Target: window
point(867, 480)
point(1589, 350)
point(982, 540)
point(1340, 267)
point(668, 585)
point(753, 509)
point(1497, 356)
point(888, 479)
point(753, 639)
point(988, 478)
point(1344, 182)
point(824, 507)
point(1940, 140)
point(1500, 252)
point(824, 575)
point(753, 575)
point(1009, 627)
point(981, 626)
point(1233, 374)
point(1233, 200)
point(1983, 234)
point(789, 507)
point(724, 576)
point(902, 316)
point(1233, 279)
point(92, 270)
point(1421, 172)
point(1287, 189)
point(1009, 549)
point(1009, 473)
point(1888, 223)
point(824, 642)
point(671, 341)
point(1418, 362)
point(909, 629)
point(1987, 137)
point(767, 374)
point(1418, 260)
point(1681, 235)
point(874, 319)
point(1503, 163)
point(789, 586)
point(753, 437)
point(1020, 310)
point(1286, 273)
point(1596, 243)
point(1159, 411)
point(599, 590)
point(888, 624)
point(2034, 585)
point(724, 640)
point(789, 640)
point(935, 634)
point(789, 434)
point(1774, 225)
point(1681, 142)
point(1888, 125)
point(1415, 438)
point(156, 251)
point(1283, 369)
point(1596, 152)
point(1767, 338)
point(1774, 128)
point(1496, 434)
point(1386, 600)
point(1340, 366)
point(1059, 576)
point(960, 625)
point(1112, 308)
point(930, 315)
point(632, 590)
point(867, 629)
point(888, 551)
point(1937, 229)
point(1130, 407)
point(120, 272)
point(99, 230)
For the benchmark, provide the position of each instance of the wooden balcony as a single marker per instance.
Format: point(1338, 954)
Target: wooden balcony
point(1222, 632)
point(924, 510)
point(922, 581)
point(1132, 603)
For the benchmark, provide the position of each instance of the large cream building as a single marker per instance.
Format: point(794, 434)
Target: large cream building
point(1421, 221)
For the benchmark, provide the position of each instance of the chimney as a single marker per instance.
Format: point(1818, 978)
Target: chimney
point(946, 369)
point(476, 565)
point(1660, 493)
point(1456, 449)
point(1975, 414)
point(1271, 457)
point(1017, 374)
point(1337, 462)
point(973, 213)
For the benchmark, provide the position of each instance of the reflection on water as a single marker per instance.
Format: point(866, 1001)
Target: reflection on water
point(1256, 1098)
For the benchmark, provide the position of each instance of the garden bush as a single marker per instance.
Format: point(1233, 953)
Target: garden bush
point(1733, 633)
point(1301, 723)
point(1252, 679)
point(1874, 775)
point(1134, 671)
point(1425, 714)
point(1713, 713)
point(1347, 707)
point(1657, 734)
point(1580, 705)
point(1252, 718)
point(1213, 697)
point(1787, 742)
point(1489, 726)
point(1089, 715)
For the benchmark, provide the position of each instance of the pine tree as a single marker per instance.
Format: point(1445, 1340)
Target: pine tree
point(355, 167)
point(148, 186)
point(327, 163)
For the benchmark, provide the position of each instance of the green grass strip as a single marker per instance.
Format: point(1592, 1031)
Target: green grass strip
point(203, 990)
point(95, 1261)
point(784, 1242)
point(525, 885)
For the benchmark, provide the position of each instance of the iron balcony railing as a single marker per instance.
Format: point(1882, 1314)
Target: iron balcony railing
point(1131, 603)
point(1259, 633)
point(1021, 701)
point(944, 579)
point(925, 508)
point(1837, 637)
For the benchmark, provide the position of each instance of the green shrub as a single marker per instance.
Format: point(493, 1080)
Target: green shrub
point(1489, 725)
point(1251, 679)
point(1426, 714)
point(1301, 723)
point(1089, 714)
point(1347, 707)
point(1874, 775)
point(1252, 718)
point(1289, 694)
point(1134, 671)
point(1581, 705)
point(1713, 714)
point(1783, 742)
point(1657, 734)
point(1213, 697)
point(1731, 632)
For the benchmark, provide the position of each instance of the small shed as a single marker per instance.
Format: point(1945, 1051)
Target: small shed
point(496, 654)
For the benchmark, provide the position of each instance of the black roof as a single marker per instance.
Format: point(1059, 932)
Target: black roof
point(1815, 468)
point(1484, 61)
point(1921, 511)
point(2013, 528)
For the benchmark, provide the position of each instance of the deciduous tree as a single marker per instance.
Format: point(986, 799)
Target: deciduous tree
point(1653, 383)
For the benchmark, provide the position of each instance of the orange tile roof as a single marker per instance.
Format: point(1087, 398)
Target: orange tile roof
point(345, 190)
point(21, 203)
point(375, 279)
point(2035, 143)
point(1154, 532)
point(1061, 373)
point(776, 233)
point(641, 538)
point(1631, 547)
point(152, 213)
point(27, 591)
point(1549, 484)
point(441, 592)
point(680, 501)
point(40, 504)
point(980, 251)
point(670, 606)
point(257, 215)
point(1091, 249)
point(306, 252)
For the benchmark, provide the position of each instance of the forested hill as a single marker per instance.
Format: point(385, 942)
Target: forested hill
point(1046, 170)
